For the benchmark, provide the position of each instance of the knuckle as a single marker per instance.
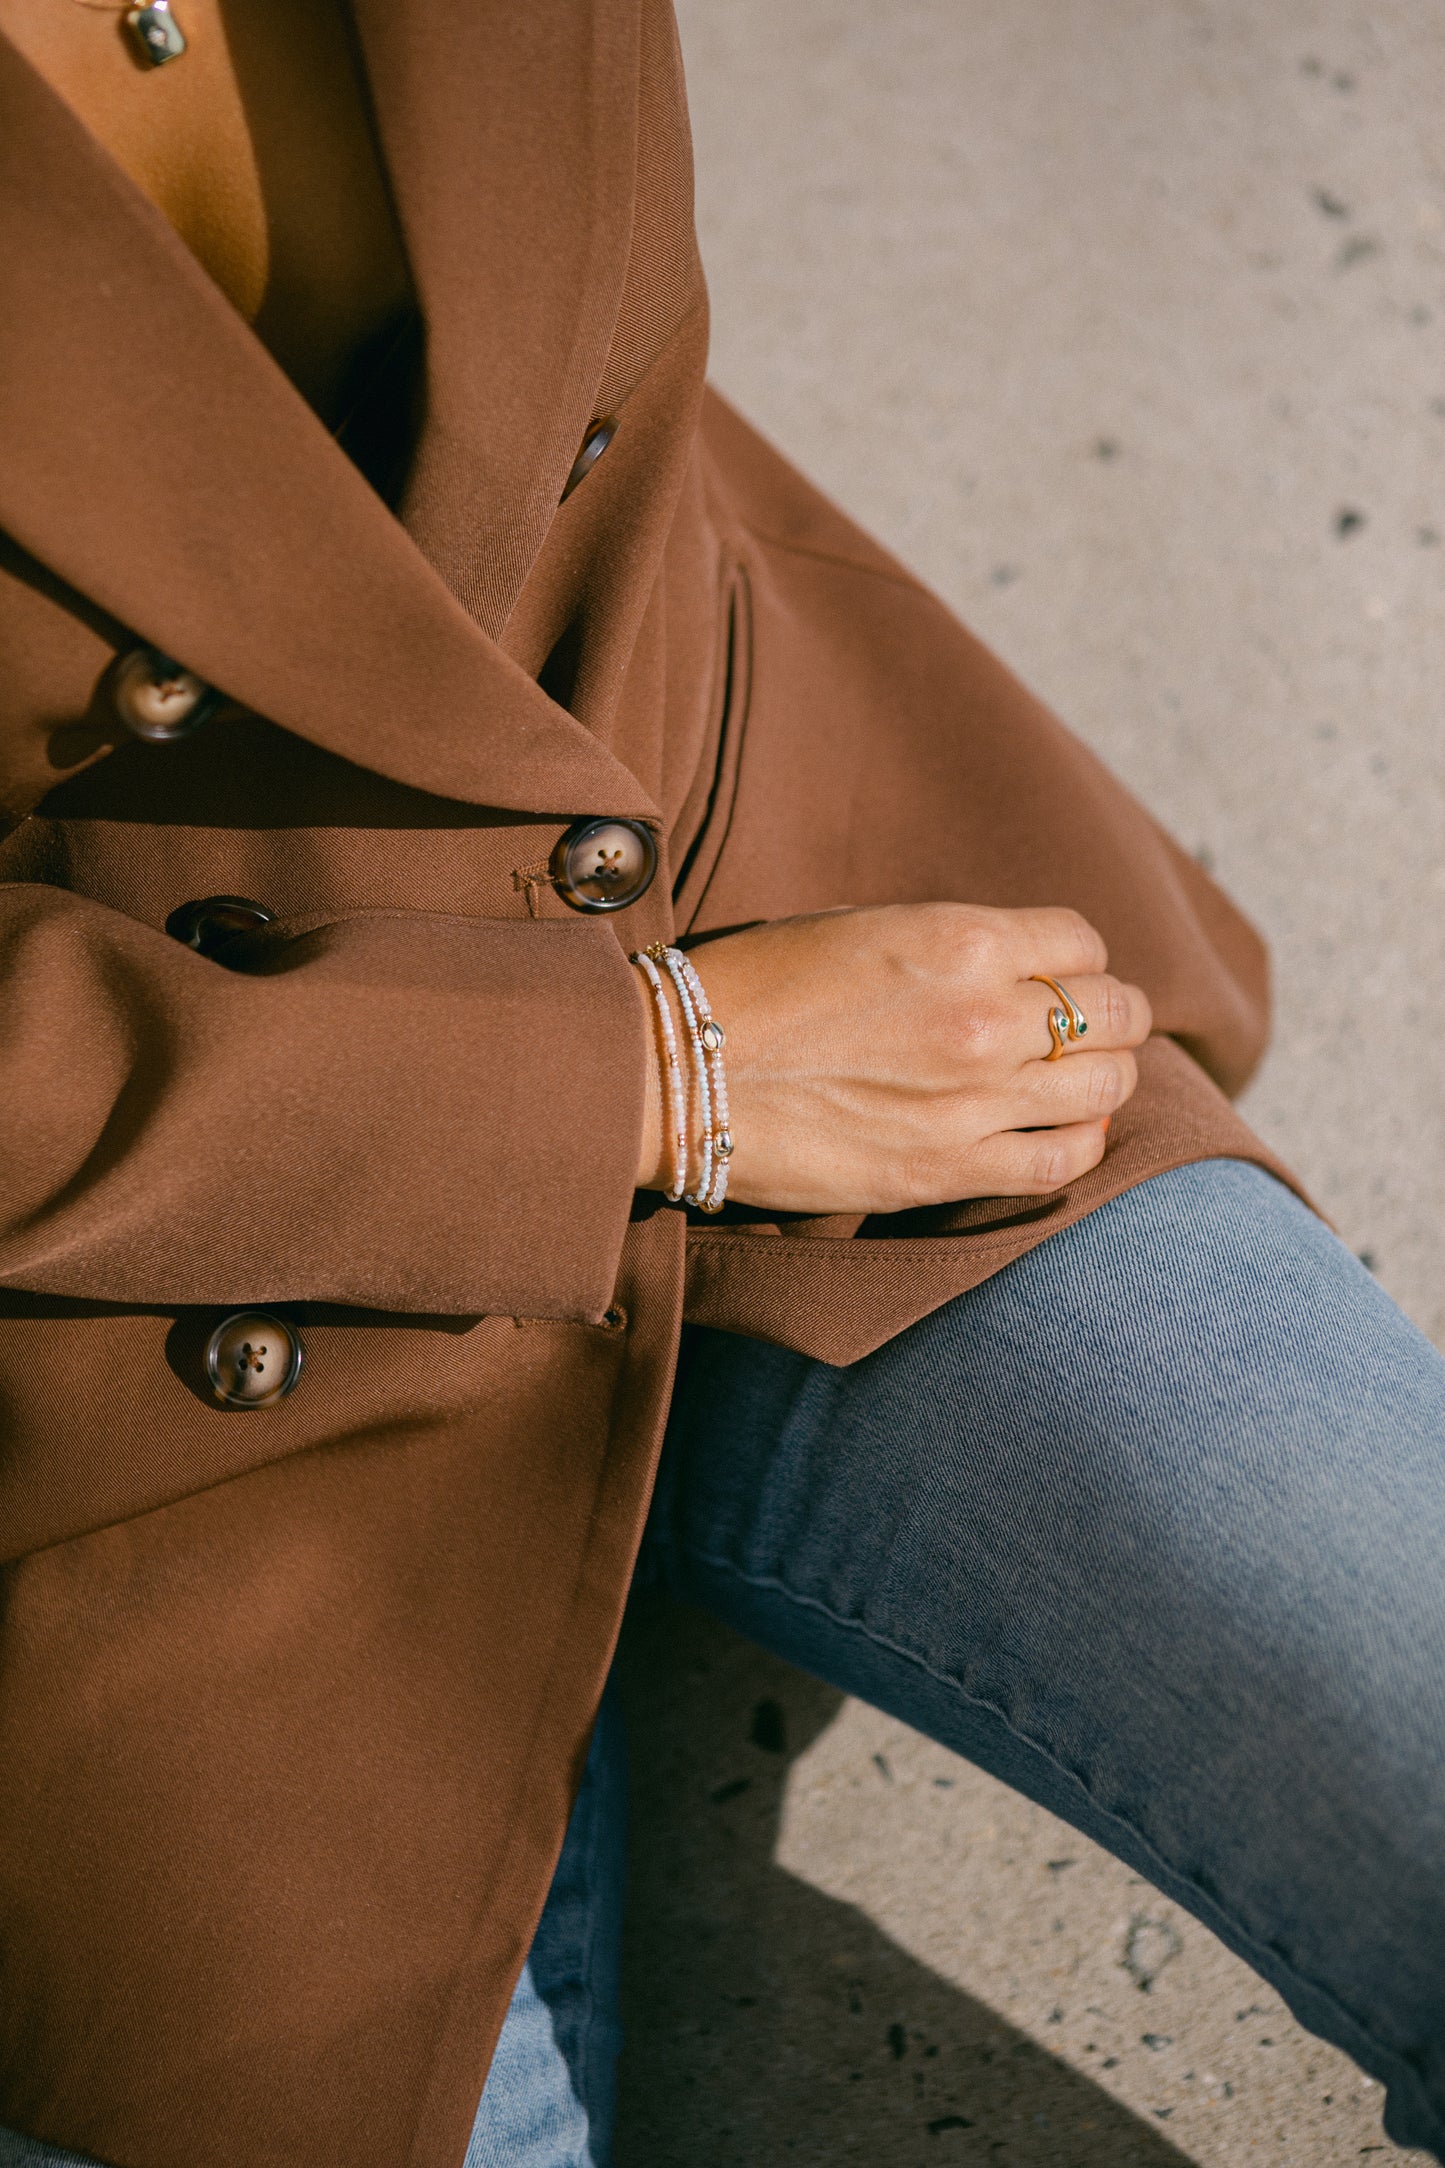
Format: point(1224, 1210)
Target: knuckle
point(1051, 1165)
point(1087, 935)
point(917, 1177)
point(981, 950)
point(1117, 1008)
point(1064, 1159)
point(935, 922)
point(942, 934)
point(1105, 1086)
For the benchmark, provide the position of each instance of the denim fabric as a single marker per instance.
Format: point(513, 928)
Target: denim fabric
point(551, 2091)
point(1151, 1525)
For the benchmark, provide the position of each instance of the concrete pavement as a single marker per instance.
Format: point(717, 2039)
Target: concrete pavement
point(1122, 323)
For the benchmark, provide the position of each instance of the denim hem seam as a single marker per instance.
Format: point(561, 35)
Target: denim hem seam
point(771, 1584)
point(588, 2011)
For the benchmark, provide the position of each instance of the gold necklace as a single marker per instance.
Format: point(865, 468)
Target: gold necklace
point(154, 29)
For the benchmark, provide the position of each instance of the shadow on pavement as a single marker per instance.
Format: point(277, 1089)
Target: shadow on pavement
point(768, 2023)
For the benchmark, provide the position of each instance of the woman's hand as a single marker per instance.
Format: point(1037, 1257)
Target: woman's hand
point(890, 1057)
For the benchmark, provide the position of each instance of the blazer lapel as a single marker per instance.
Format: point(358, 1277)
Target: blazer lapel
point(157, 460)
point(510, 137)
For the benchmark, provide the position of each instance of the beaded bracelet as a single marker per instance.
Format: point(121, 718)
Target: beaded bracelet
point(676, 1095)
point(711, 1038)
point(672, 961)
point(705, 1039)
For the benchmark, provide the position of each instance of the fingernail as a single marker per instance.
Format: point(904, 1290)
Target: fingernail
point(1107, 1119)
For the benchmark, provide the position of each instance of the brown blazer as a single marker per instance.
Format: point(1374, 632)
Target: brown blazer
point(292, 1700)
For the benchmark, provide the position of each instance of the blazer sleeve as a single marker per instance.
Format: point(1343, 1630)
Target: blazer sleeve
point(405, 1111)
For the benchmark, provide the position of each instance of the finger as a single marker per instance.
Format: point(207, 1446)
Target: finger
point(1116, 1014)
point(1059, 941)
point(1031, 1164)
point(1081, 1089)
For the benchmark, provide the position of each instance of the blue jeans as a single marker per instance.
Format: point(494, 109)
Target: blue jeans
point(1151, 1526)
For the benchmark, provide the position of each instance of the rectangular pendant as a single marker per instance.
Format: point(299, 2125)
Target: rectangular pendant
point(156, 32)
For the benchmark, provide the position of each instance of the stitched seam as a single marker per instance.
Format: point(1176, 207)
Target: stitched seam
point(580, 2079)
point(832, 1247)
point(710, 1243)
point(771, 1583)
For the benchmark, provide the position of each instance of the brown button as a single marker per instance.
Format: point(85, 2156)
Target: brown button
point(594, 444)
point(253, 1359)
point(604, 865)
point(209, 923)
point(156, 699)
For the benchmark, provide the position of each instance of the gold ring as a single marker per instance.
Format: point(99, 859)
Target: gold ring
point(1067, 1022)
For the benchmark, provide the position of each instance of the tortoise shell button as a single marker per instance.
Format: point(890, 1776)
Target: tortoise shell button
point(603, 865)
point(209, 923)
point(599, 435)
point(156, 699)
point(253, 1360)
